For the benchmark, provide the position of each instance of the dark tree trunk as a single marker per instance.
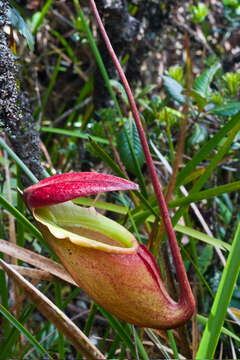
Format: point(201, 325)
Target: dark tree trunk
point(15, 114)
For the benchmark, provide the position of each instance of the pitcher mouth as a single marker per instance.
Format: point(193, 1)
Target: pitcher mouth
point(86, 227)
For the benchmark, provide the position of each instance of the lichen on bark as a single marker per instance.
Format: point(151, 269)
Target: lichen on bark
point(16, 119)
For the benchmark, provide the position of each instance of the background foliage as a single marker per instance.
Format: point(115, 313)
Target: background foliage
point(182, 61)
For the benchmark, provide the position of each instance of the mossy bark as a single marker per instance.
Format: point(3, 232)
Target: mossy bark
point(16, 119)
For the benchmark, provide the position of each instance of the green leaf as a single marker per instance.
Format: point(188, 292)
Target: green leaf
point(124, 149)
point(202, 82)
point(145, 105)
point(200, 100)
point(119, 89)
point(174, 89)
point(225, 214)
point(18, 22)
point(199, 134)
point(198, 12)
point(145, 90)
point(205, 258)
point(228, 109)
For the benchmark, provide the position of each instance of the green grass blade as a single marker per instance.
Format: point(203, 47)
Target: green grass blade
point(191, 198)
point(141, 349)
point(203, 237)
point(13, 335)
point(90, 320)
point(21, 208)
point(4, 300)
point(124, 335)
point(117, 326)
point(68, 48)
point(23, 331)
point(203, 320)
point(21, 218)
point(206, 149)
point(42, 15)
point(211, 167)
point(155, 338)
point(116, 344)
point(197, 269)
point(21, 164)
point(173, 344)
point(224, 293)
point(217, 158)
point(205, 194)
point(73, 133)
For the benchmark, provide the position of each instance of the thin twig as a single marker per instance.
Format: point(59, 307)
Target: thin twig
point(70, 111)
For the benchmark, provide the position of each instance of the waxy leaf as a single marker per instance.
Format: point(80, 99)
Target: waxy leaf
point(227, 109)
point(202, 82)
point(64, 187)
point(15, 18)
point(174, 88)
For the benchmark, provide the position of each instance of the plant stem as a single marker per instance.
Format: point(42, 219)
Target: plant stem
point(185, 290)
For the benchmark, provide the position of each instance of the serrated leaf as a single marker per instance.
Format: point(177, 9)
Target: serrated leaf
point(120, 89)
point(18, 22)
point(202, 82)
point(124, 149)
point(228, 109)
point(174, 88)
